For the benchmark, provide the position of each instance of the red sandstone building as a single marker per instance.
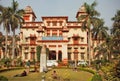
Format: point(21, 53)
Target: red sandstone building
point(64, 38)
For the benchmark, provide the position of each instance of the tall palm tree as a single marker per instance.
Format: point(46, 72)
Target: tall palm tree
point(101, 51)
point(105, 49)
point(2, 39)
point(89, 20)
point(4, 20)
point(16, 20)
point(100, 31)
point(116, 31)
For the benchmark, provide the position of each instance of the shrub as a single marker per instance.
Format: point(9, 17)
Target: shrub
point(2, 78)
point(96, 77)
point(117, 70)
point(87, 70)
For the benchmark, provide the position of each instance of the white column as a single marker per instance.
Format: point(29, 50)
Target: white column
point(43, 59)
point(64, 51)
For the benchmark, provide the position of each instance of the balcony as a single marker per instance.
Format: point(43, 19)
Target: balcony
point(52, 38)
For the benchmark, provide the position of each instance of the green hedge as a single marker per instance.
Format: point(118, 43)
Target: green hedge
point(16, 68)
point(96, 77)
point(2, 78)
point(88, 70)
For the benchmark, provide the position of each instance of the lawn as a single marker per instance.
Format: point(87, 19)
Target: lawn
point(36, 76)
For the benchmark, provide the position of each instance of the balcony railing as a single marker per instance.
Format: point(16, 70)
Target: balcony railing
point(52, 38)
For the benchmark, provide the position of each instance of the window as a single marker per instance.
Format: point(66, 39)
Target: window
point(82, 47)
point(32, 55)
point(48, 23)
point(26, 39)
point(54, 23)
point(68, 38)
point(82, 56)
point(60, 23)
point(75, 41)
point(69, 56)
point(54, 32)
point(26, 55)
point(75, 47)
point(26, 48)
point(82, 39)
point(32, 41)
point(48, 32)
point(26, 17)
point(32, 49)
point(60, 33)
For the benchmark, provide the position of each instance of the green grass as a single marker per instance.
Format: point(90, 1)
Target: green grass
point(62, 73)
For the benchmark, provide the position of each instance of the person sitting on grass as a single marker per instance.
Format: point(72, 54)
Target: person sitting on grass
point(24, 73)
point(54, 75)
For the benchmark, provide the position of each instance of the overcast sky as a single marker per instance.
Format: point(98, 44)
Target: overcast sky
point(107, 8)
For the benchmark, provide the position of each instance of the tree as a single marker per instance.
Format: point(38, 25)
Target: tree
point(89, 20)
point(117, 70)
point(3, 78)
point(4, 20)
point(38, 52)
point(96, 77)
point(16, 20)
point(115, 31)
point(100, 34)
point(100, 31)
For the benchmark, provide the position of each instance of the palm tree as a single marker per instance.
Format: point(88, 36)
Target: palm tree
point(4, 20)
point(89, 20)
point(101, 51)
point(116, 32)
point(100, 31)
point(109, 47)
point(16, 20)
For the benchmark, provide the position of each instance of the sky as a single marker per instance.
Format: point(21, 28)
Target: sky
point(106, 8)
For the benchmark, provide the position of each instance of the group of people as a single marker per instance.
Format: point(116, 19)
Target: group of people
point(26, 72)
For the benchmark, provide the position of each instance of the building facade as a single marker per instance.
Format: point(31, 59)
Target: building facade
point(64, 38)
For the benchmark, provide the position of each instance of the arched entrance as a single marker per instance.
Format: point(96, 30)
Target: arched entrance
point(59, 55)
point(52, 55)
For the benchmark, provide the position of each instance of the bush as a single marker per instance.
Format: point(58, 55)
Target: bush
point(117, 70)
point(87, 70)
point(16, 68)
point(2, 78)
point(5, 62)
point(96, 77)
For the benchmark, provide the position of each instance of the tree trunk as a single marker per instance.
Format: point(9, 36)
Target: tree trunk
point(13, 45)
point(89, 47)
point(6, 38)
